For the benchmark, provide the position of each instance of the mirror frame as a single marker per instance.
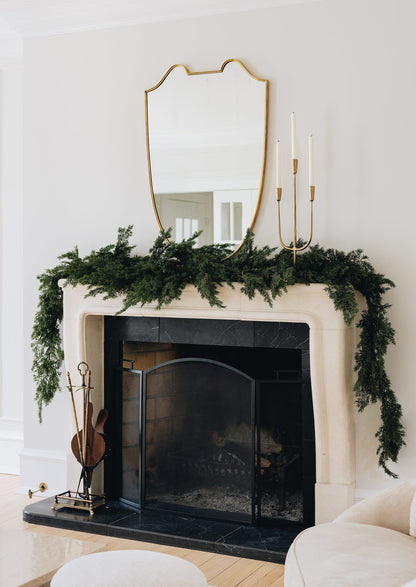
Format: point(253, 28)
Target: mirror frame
point(266, 115)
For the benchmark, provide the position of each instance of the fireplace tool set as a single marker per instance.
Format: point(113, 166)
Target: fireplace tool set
point(89, 446)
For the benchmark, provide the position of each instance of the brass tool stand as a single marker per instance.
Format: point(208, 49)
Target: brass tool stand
point(76, 500)
point(81, 500)
point(295, 248)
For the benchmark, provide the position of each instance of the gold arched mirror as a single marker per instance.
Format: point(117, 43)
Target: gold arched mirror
point(206, 148)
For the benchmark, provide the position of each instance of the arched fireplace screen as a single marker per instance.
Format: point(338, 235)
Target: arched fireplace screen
point(211, 418)
point(199, 440)
point(202, 437)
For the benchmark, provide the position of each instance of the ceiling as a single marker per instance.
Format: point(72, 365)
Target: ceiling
point(27, 18)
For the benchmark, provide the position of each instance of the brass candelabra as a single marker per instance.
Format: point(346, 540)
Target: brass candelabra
point(295, 248)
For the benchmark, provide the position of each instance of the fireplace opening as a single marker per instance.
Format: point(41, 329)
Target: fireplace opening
point(208, 428)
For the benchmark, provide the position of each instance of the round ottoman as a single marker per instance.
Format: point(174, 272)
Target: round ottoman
point(128, 568)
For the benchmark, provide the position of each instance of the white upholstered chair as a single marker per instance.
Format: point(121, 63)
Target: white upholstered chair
point(370, 544)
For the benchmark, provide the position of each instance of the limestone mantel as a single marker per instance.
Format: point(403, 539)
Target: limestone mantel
point(332, 345)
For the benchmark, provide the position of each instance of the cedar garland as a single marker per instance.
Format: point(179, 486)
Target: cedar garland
point(162, 275)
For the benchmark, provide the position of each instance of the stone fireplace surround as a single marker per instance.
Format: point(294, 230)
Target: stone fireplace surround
point(332, 345)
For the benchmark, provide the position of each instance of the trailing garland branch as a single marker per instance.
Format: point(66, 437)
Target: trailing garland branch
point(162, 275)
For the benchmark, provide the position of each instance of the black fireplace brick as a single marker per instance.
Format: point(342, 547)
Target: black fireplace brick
point(207, 332)
point(286, 335)
point(240, 333)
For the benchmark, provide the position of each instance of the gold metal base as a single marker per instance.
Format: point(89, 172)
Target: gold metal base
point(294, 166)
point(311, 193)
point(78, 501)
point(294, 248)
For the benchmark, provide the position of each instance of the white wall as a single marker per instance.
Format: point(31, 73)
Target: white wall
point(11, 264)
point(345, 67)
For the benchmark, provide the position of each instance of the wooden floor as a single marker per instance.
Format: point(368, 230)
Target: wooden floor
point(220, 570)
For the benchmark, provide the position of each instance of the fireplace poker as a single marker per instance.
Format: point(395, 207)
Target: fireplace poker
point(75, 415)
point(87, 478)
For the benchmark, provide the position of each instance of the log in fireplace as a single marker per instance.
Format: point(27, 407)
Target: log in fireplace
point(210, 418)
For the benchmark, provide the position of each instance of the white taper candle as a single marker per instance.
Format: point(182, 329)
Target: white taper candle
point(294, 141)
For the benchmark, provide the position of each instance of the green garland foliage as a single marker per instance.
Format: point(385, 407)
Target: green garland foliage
point(162, 275)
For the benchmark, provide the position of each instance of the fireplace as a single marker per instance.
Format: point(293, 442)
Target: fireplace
point(331, 352)
point(319, 372)
point(331, 343)
point(211, 418)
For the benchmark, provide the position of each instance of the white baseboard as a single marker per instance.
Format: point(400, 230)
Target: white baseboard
point(37, 466)
point(11, 444)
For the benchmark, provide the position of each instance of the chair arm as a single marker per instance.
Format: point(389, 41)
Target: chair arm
point(389, 509)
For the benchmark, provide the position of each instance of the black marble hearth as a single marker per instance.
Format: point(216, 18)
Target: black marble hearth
point(268, 543)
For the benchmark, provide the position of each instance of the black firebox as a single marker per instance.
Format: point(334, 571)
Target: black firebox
point(211, 418)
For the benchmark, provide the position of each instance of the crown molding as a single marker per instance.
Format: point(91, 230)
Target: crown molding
point(31, 18)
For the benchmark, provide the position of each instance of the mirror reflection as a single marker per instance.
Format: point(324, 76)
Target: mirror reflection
point(206, 140)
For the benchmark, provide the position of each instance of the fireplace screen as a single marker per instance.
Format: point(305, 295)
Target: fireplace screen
point(202, 437)
point(199, 439)
point(211, 418)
